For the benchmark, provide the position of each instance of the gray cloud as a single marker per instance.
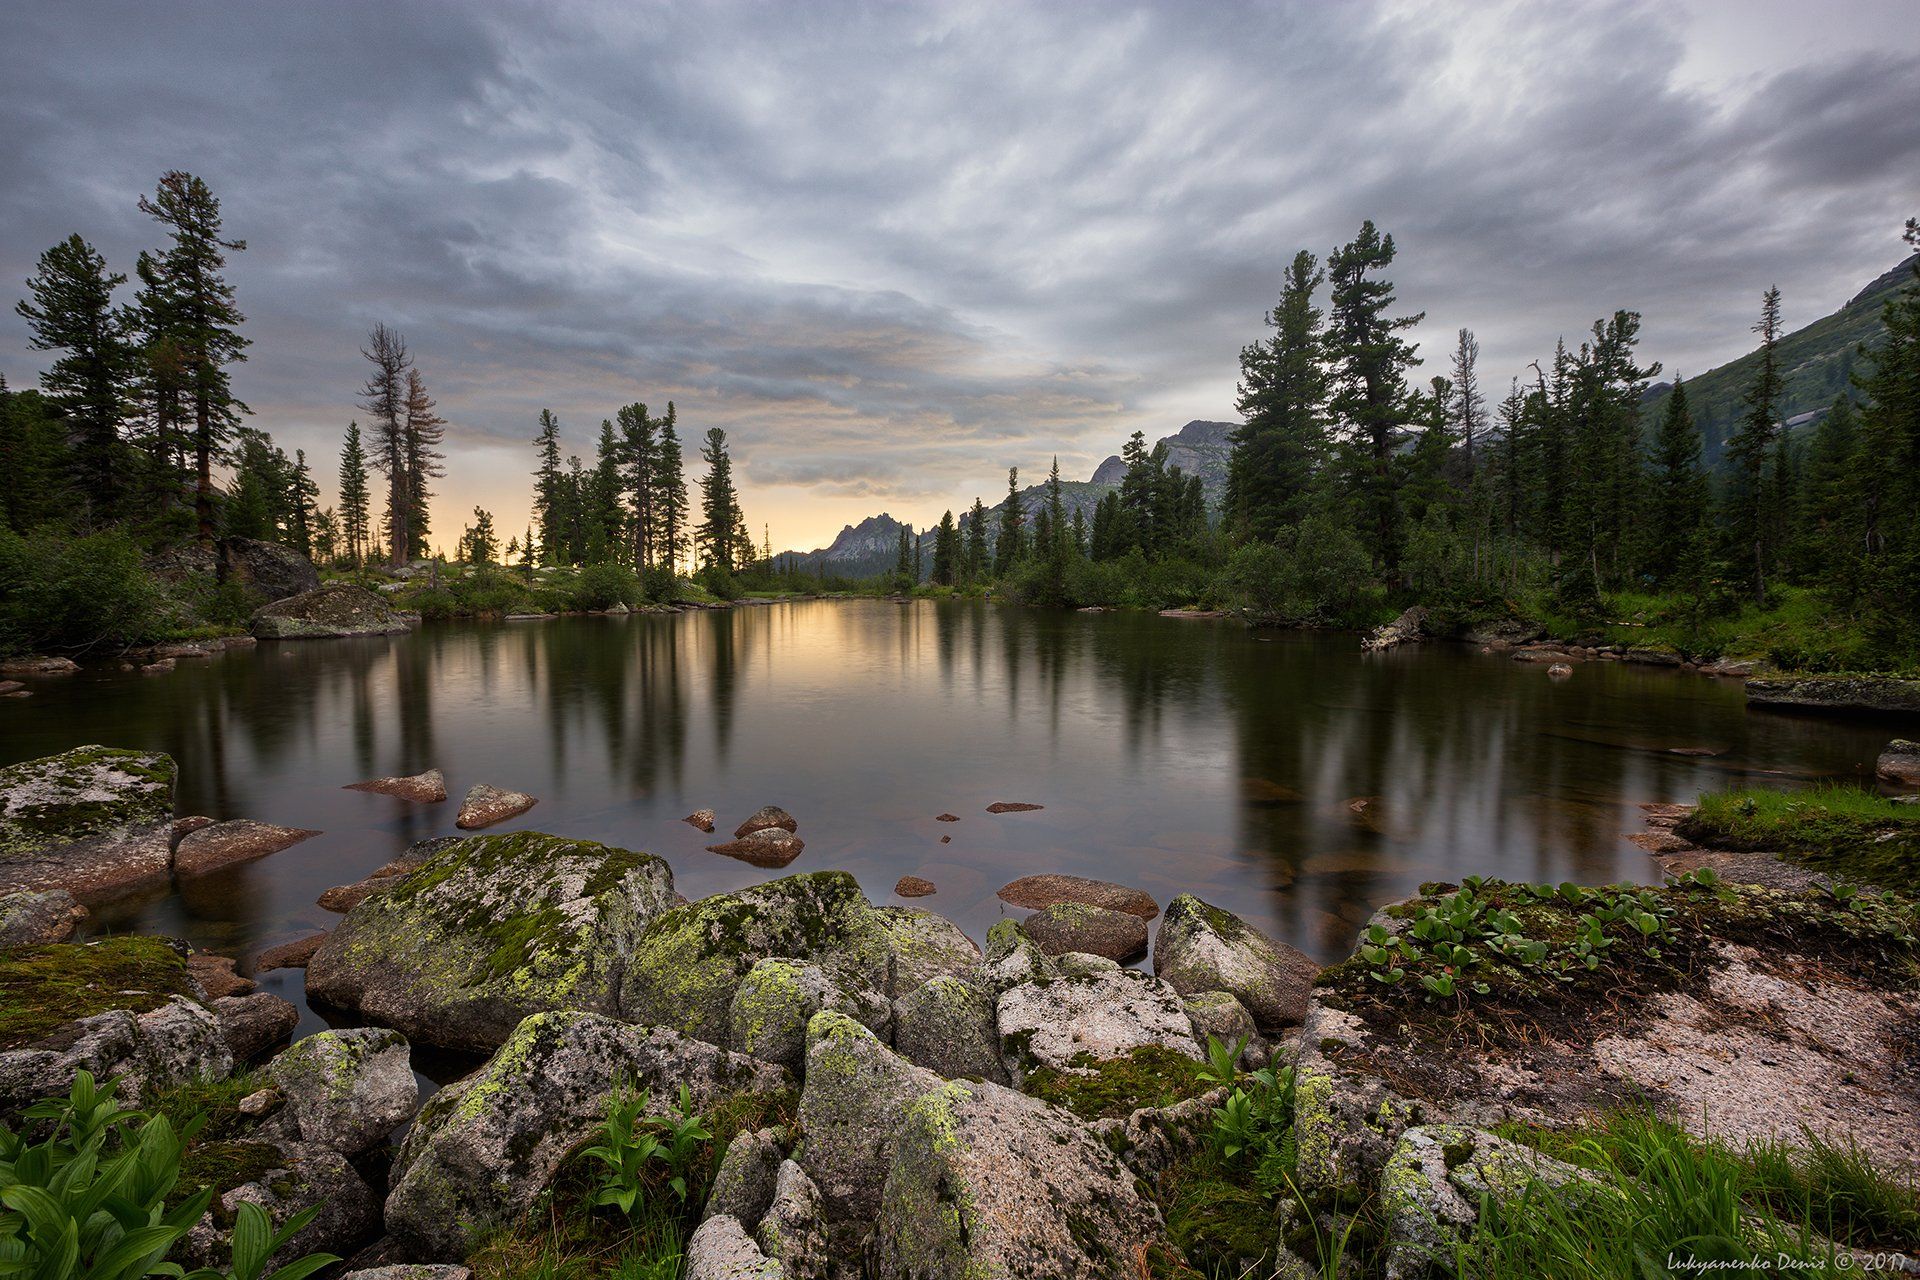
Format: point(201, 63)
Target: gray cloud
point(894, 249)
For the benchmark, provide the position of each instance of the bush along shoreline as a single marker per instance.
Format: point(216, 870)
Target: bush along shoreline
point(791, 1080)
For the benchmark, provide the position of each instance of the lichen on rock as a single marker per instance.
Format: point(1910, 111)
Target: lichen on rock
point(94, 821)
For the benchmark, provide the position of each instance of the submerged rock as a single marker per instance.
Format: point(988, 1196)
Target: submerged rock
point(226, 844)
point(36, 919)
point(764, 818)
point(1076, 927)
point(93, 821)
point(988, 1182)
point(421, 788)
point(1036, 893)
point(489, 930)
point(1204, 948)
point(335, 610)
point(483, 1148)
point(763, 847)
point(289, 955)
point(486, 805)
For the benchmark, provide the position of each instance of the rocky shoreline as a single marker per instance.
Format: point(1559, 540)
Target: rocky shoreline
point(912, 1103)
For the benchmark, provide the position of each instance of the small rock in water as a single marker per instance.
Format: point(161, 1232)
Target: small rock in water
point(216, 976)
point(946, 839)
point(948, 817)
point(289, 955)
point(11, 686)
point(765, 818)
point(1036, 893)
point(345, 897)
point(913, 887)
point(766, 847)
point(225, 844)
point(1559, 671)
point(701, 819)
point(487, 805)
point(1900, 762)
point(421, 788)
point(184, 827)
point(1013, 806)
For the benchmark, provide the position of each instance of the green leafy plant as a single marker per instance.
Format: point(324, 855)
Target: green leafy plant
point(1223, 1060)
point(626, 1150)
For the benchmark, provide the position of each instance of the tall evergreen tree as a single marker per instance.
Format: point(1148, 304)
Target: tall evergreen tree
point(71, 309)
point(639, 457)
point(976, 552)
point(1680, 487)
point(425, 431)
point(1283, 392)
point(1468, 409)
point(355, 500)
point(190, 302)
point(384, 397)
point(670, 493)
point(720, 526)
point(606, 517)
point(302, 496)
point(1751, 517)
point(547, 483)
point(1008, 547)
point(1370, 360)
point(946, 551)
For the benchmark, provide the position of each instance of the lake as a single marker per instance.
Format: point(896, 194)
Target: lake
point(1283, 775)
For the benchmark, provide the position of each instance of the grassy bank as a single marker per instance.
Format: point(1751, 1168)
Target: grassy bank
point(1853, 836)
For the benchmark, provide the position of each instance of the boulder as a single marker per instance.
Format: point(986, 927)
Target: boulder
point(289, 955)
point(489, 930)
point(486, 805)
point(1900, 762)
point(764, 818)
point(411, 1271)
point(701, 819)
point(184, 827)
point(284, 1180)
point(1204, 948)
point(773, 847)
point(253, 1024)
point(332, 611)
point(912, 887)
point(1436, 1180)
point(216, 977)
point(226, 844)
point(1014, 958)
point(1036, 893)
point(1013, 806)
point(1559, 671)
point(1079, 964)
point(346, 1090)
point(421, 788)
point(721, 1249)
point(855, 1093)
point(483, 1148)
point(94, 821)
point(687, 968)
point(1062, 1022)
point(1408, 627)
point(772, 1006)
point(36, 919)
point(37, 666)
point(988, 1182)
point(271, 571)
point(345, 897)
point(947, 1026)
point(1220, 1014)
point(1886, 695)
point(743, 1184)
point(1152, 1140)
point(793, 1230)
point(1075, 926)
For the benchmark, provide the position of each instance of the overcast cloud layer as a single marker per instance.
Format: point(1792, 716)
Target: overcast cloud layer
point(894, 249)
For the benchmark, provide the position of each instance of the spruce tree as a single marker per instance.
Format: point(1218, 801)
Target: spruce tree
point(425, 429)
point(1008, 547)
point(71, 309)
point(1680, 487)
point(639, 457)
point(1468, 408)
point(302, 495)
point(720, 524)
point(606, 516)
point(1283, 391)
point(355, 501)
point(547, 483)
point(945, 551)
point(670, 493)
point(384, 397)
point(976, 557)
point(190, 302)
point(1750, 511)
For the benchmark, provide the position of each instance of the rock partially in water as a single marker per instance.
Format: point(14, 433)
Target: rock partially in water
point(94, 821)
point(333, 611)
point(1559, 671)
point(913, 887)
point(701, 819)
point(184, 827)
point(773, 847)
point(1846, 694)
point(216, 976)
point(1103, 1014)
point(765, 817)
point(345, 897)
point(984, 1181)
point(1201, 947)
point(289, 955)
point(36, 919)
point(1036, 893)
point(346, 1090)
point(226, 844)
point(483, 1148)
point(491, 929)
point(1408, 627)
point(253, 1024)
point(1900, 762)
point(485, 805)
point(1075, 926)
point(421, 788)
point(1013, 806)
point(37, 666)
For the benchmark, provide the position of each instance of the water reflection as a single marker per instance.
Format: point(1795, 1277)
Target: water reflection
point(1285, 776)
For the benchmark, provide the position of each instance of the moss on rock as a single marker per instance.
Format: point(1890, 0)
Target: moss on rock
point(44, 988)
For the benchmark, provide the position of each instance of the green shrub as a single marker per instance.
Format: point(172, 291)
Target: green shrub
point(75, 594)
point(601, 586)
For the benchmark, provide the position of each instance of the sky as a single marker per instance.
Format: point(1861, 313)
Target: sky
point(893, 249)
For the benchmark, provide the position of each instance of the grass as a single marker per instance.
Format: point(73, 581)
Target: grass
point(1846, 833)
point(1660, 1191)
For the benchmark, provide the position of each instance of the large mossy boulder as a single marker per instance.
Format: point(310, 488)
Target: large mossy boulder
point(94, 821)
point(271, 571)
point(333, 611)
point(346, 1090)
point(1202, 947)
point(856, 1091)
point(483, 1148)
point(489, 930)
point(988, 1182)
point(690, 965)
point(1090, 1016)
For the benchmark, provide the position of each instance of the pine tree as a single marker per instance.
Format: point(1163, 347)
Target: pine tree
point(1467, 412)
point(384, 397)
point(903, 560)
point(479, 544)
point(1749, 508)
point(424, 431)
point(1283, 392)
point(946, 551)
point(1370, 397)
point(1680, 487)
point(669, 493)
point(720, 524)
point(639, 458)
point(189, 301)
point(547, 482)
point(1886, 477)
point(976, 554)
point(72, 310)
point(302, 495)
point(1139, 496)
point(355, 501)
point(1008, 547)
point(606, 517)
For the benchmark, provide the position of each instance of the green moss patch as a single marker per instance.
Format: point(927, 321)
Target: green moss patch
point(222, 1166)
point(1149, 1076)
point(1841, 832)
point(44, 988)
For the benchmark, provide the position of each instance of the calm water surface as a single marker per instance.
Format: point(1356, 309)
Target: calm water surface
point(1175, 755)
